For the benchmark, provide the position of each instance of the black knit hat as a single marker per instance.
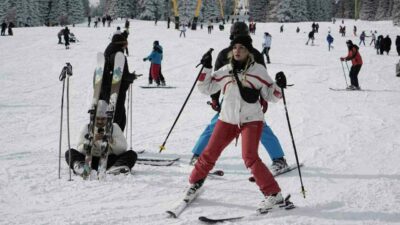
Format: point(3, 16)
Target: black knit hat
point(245, 40)
point(239, 28)
point(119, 39)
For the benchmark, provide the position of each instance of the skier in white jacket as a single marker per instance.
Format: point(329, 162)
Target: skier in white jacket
point(267, 45)
point(241, 82)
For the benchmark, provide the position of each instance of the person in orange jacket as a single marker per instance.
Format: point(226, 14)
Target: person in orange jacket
point(356, 61)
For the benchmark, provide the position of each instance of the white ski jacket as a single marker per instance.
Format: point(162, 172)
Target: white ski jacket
point(267, 41)
point(234, 109)
point(118, 144)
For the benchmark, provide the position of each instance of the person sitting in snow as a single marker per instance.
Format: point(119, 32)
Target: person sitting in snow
point(119, 159)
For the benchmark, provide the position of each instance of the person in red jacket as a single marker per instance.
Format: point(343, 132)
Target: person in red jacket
point(356, 61)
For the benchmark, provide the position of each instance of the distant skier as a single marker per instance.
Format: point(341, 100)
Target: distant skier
point(168, 22)
point(329, 39)
point(3, 28)
point(267, 46)
point(119, 159)
point(373, 38)
point(387, 44)
point(66, 33)
point(156, 57)
point(355, 31)
point(89, 20)
point(10, 27)
point(379, 45)
point(311, 37)
point(118, 44)
point(398, 44)
point(127, 24)
point(281, 29)
point(182, 28)
point(356, 61)
point(59, 35)
point(362, 38)
point(297, 29)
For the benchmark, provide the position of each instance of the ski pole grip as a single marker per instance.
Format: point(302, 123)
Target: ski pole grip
point(208, 52)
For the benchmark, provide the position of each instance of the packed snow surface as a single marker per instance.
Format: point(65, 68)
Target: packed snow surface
point(348, 141)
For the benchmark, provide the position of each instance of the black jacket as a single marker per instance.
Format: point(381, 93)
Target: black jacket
point(398, 41)
point(127, 78)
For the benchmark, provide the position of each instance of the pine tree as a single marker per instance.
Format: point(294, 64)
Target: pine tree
point(368, 9)
point(383, 11)
point(4, 7)
point(396, 12)
point(75, 11)
point(152, 9)
point(258, 10)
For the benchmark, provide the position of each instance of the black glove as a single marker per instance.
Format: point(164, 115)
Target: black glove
point(144, 59)
point(207, 60)
point(215, 105)
point(280, 79)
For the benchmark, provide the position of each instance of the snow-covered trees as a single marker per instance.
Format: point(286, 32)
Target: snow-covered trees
point(292, 11)
point(258, 10)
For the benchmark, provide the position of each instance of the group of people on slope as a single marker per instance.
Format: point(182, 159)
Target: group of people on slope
point(66, 33)
point(241, 76)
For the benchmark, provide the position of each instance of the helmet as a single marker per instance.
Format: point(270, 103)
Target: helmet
point(239, 28)
point(349, 42)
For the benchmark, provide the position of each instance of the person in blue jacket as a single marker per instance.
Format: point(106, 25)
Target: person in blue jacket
point(268, 138)
point(329, 39)
point(155, 58)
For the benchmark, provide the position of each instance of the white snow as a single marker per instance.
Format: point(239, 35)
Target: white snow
point(348, 141)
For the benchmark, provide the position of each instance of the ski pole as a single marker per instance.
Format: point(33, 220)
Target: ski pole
point(67, 70)
point(162, 147)
point(294, 145)
point(61, 78)
point(348, 69)
point(69, 73)
point(130, 115)
point(344, 73)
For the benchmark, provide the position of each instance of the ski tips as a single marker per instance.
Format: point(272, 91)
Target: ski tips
point(171, 214)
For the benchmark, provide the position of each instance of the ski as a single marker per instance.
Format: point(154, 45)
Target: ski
point(217, 173)
point(343, 89)
point(287, 205)
point(286, 170)
point(167, 87)
point(156, 161)
point(140, 151)
point(182, 205)
point(119, 63)
point(97, 82)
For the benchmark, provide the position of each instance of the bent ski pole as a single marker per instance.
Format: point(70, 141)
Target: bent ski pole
point(344, 73)
point(294, 145)
point(162, 147)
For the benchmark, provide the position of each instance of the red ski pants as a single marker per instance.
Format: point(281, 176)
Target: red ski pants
point(155, 71)
point(223, 134)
